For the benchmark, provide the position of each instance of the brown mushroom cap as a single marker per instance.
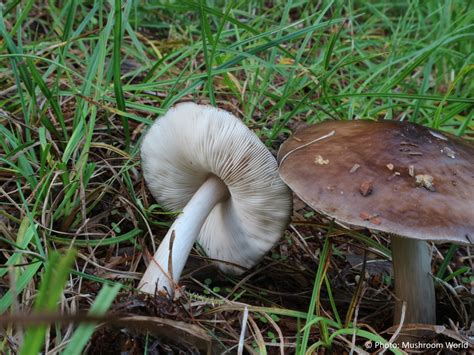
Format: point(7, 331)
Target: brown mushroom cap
point(395, 177)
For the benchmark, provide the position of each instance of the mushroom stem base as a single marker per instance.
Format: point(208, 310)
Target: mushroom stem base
point(413, 281)
point(163, 272)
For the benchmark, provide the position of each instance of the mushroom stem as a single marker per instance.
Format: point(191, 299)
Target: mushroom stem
point(413, 281)
point(159, 275)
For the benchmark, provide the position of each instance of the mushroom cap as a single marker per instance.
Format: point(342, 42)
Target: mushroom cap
point(395, 177)
point(190, 143)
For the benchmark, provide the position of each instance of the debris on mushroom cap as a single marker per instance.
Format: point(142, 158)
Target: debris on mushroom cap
point(366, 188)
point(190, 143)
point(365, 215)
point(449, 152)
point(373, 218)
point(354, 168)
point(392, 156)
point(320, 160)
point(438, 135)
point(395, 174)
point(426, 181)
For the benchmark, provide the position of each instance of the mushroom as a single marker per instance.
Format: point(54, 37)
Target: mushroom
point(412, 182)
point(207, 163)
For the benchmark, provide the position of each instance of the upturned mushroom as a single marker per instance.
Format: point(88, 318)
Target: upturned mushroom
point(207, 163)
point(412, 182)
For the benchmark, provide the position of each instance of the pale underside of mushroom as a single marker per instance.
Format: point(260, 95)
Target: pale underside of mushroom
point(207, 163)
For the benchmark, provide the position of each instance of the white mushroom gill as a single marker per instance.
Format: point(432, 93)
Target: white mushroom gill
point(206, 162)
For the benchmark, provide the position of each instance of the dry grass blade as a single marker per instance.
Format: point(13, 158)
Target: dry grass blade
point(159, 327)
point(243, 331)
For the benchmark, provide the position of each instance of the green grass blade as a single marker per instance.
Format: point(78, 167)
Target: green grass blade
point(99, 242)
point(117, 69)
point(52, 101)
point(447, 259)
point(315, 299)
point(11, 5)
point(100, 306)
point(51, 288)
point(22, 281)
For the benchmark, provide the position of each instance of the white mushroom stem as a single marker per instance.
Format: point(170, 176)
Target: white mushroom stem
point(160, 275)
point(413, 281)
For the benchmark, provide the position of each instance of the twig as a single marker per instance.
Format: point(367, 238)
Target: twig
point(240, 349)
point(306, 144)
point(400, 326)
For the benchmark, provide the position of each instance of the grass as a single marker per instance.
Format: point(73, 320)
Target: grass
point(81, 81)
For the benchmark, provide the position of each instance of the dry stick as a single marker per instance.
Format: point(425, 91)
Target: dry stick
point(169, 274)
point(306, 144)
point(278, 330)
point(356, 315)
point(170, 256)
point(157, 326)
point(399, 328)
point(15, 305)
point(303, 243)
point(356, 298)
point(49, 318)
point(257, 333)
point(349, 343)
point(240, 349)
